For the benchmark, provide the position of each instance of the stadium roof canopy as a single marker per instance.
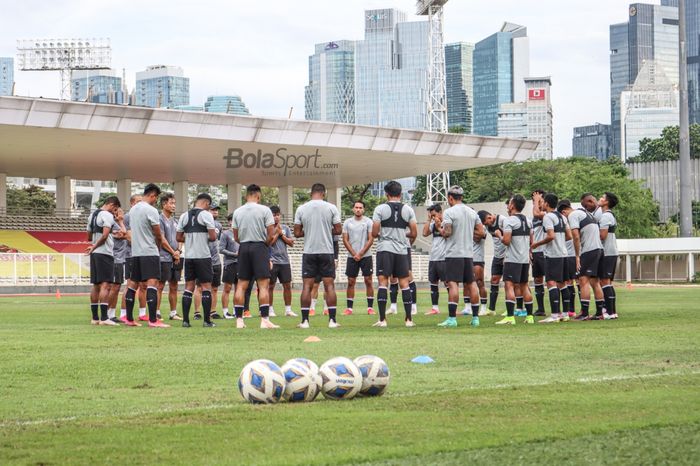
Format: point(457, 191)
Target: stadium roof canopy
point(48, 139)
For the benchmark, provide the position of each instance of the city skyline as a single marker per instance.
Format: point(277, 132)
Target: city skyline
point(265, 59)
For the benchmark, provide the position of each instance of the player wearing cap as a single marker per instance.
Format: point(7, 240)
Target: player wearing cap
point(436, 264)
point(461, 226)
point(358, 240)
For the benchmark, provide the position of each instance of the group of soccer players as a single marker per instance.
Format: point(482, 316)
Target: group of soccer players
point(144, 247)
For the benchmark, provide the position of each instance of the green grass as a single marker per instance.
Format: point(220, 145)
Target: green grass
point(577, 393)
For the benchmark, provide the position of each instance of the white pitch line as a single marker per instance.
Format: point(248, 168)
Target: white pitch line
point(583, 380)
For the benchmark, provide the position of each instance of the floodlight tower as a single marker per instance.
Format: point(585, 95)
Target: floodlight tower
point(64, 55)
point(437, 184)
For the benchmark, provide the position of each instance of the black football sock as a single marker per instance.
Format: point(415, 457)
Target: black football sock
point(539, 296)
point(350, 302)
point(104, 307)
point(95, 309)
point(572, 298)
point(407, 301)
point(519, 302)
point(554, 299)
point(493, 297)
point(452, 309)
point(370, 301)
point(304, 314)
point(483, 301)
point(565, 300)
point(129, 297)
point(264, 311)
point(394, 292)
point(510, 308)
point(528, 308)
point(331, 313)
point(585, 303)
point(381, 302)
point(152, 303)
point(434, 294)
point(609, 297)
point(599, 304)
point(414, 292)
point(613, 299)
point(186, 305)
point(206, 305)
point(475, 310)
point(467, 300)
point(239, 311)
point(248, 292)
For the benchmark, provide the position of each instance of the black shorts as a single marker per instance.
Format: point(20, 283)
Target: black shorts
point(556, 269)
point(436, 271)
point(101, 268)
point(281, 273)
point(216, 276)
point(317, 266)
point(127, 268)
point(459, 269)
point(230, 274)
point(390, 264)
point(253, 261)
point(353, 267)
point(144, 268)
point(118, 273)
point(497, 266)
point(199, 270)
point(410, 260)
point(607, 266)
point(480, 264)
point(571, 268)
point(336, 250)
point(589, 263)
point(539, 267)
point(168, 273)
point(516, 273)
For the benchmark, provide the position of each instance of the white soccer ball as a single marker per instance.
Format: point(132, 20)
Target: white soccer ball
point(261, 381)
point(341, 379)
point(375, 375)
point(303, 384)
point(307, 362)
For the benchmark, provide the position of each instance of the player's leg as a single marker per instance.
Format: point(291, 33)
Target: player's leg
point(350, 298)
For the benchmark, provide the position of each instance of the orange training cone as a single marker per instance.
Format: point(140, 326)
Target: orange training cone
point(58, 293)
point(629, 285)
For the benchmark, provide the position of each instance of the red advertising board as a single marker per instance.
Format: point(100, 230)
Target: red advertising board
point(536, 94)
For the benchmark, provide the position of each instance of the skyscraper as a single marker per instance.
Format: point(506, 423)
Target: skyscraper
point(330, 94)
point(162, 86)
point(652, 34)
point(231, 104)
point(459, 78)
point(592, 141)
point(692, 22)
point(501, 63)
point(97, 86)
point(7, 75)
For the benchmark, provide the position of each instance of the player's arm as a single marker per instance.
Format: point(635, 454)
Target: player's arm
point(577, 241)
point(368, 244)
point(446, 230)
point(165, 245)
point(224, 245)
point(298, 230)
point(337, 228)
point(548, 238)
point(426, 227)
point(235, 235)
point(507, 237)
point(412, 232)
point(346, 243)
point(180, 237)
point(270, 234)
point(376, 227)
point(287, 240)
point(536, 211)
point(106, 231)
point(567, 233)
point(479, 232)
point(604, 230)
point(212, 234)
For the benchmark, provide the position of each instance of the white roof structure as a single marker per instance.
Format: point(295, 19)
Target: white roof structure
point(49, 139)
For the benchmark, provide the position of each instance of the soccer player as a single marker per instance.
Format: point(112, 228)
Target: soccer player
point(479, 263)
point(538, 261)
point(101, 252)
point(170, 263)
point(589, 251)
point(436, 260)
point(146, 238)
point(564, 208)
point(279, 261)
point(606, 268)
point(390, 221)
point(229, 249)
point(317, 221)
point(133, 200)
point(461, 226)
point(517, 237)
point(358, 240)
point(119, 249)
point(216, 269)
point(554, 242)
point(196, 229)
point(494, 224)
point(253, 228)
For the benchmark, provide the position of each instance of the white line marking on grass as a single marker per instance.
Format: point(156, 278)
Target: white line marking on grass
point(583, 380)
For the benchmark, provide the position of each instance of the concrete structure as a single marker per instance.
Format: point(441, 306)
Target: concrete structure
point(663, 179)
point(330, 94)
point(162, 86)
point(7, 75)
point(97, 86)
point(592, 141)
point(501, 64)
point(53, 139)
point(650, 34)
point(459, 79)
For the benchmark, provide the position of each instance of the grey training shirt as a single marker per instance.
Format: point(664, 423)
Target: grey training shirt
point(214, 245)
point(168, 226)
point(437, 249)
point(119, 245)
point(197, 243)
point(103, 219)
point(588, 228)
point(609, 222)
point(228, 247)
point(518, 252)
point(392, 239)
point(358, 231)
point(463, 220)
point(538, 233)
point(557, 247)
point(499, 249)
point(251, 220)
point(278, 250)
point(317, 217)
point(479, 253)
point(142, 217)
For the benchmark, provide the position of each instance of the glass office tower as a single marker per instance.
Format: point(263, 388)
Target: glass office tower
point(97, 86)
point(330, 94)
point(162, 86)
point(7, 75)
point(231, 104)
point(459, 80)
point(592, 141)
point(692, 23)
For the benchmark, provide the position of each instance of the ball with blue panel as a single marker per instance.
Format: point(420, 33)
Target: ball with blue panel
point(262, 382)
point(341, 379)
point(375, 375)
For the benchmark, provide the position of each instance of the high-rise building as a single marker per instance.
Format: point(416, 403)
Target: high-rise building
point(646, 108)
point(231, 104)
point(459, 80)
point(7, 75)
point(512, 120)
point(501, 63)
point(97, 86)
point(162, 86)
point(592, 141)
point(330, 94)
point(651, 34)
point(692, 32)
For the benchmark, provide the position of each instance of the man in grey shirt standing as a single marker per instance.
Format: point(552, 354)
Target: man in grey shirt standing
point(280, 268)
point(317, 221)
point(436, 263)
point(170, 264)
point(357, 238)
point(253, 229)
point(119, 238)
point(607, 266)
point(229, 249)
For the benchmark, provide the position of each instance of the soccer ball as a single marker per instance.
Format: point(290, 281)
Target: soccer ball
point(375, 375)
point(261, 381)
point(303, 384)
point(341, 379)
point(306, 362)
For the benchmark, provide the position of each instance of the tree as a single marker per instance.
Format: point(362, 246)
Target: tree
point(103, 196)
point(358, 192)
point(666, 147)
point(32, 199)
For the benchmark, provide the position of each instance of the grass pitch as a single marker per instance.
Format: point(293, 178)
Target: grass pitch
point(610, 392)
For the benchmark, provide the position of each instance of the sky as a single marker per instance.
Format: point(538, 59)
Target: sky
point(259, 50)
